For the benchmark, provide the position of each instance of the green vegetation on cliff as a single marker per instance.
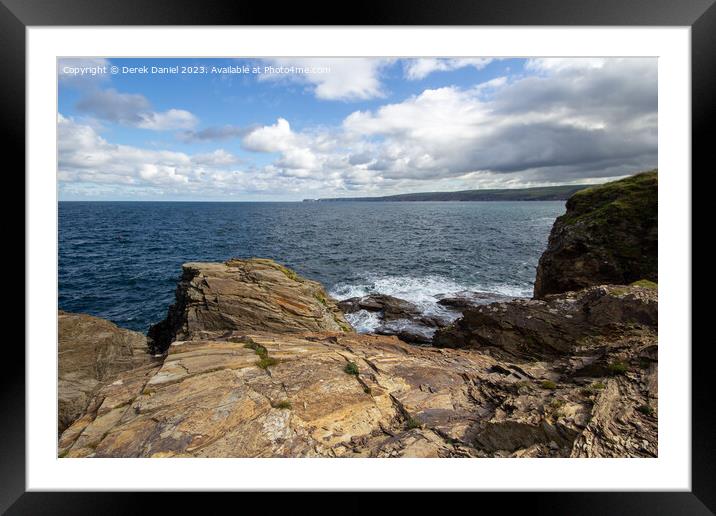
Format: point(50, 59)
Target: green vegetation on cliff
point(631, 198)
point(608, 235)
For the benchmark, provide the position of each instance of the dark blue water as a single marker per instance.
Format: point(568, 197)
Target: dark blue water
point(121, 260)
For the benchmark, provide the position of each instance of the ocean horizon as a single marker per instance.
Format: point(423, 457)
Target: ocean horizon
point(121, 260)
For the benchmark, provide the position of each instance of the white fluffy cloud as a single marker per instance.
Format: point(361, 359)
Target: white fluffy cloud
point(422, 67)
point(272, 138)
point(351, 78)
point(89, 166)
point(86, 157)
point(297, 157)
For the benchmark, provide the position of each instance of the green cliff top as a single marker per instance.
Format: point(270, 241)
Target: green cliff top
point(632, 198)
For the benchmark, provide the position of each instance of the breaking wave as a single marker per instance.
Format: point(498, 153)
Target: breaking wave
point(421, 291)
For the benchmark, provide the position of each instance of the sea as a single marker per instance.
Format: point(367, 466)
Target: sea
point(122, 260)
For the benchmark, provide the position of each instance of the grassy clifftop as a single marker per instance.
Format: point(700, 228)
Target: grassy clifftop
point(634, 198)
point(609, 235)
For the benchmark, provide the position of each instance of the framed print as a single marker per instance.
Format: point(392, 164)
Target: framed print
point(419, 249)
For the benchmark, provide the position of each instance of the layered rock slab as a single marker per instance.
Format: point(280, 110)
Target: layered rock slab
point(90, 351)
point(255, 295)
point(560, 324)
point(604, 339)
point(292, 395)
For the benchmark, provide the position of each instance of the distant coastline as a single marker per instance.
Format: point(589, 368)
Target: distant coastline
point(542, 193)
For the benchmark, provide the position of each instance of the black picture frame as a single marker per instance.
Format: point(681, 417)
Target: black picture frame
point(700, 15)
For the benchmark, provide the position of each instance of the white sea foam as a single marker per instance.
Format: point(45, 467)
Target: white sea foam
point(363, 321)
point(421, 291)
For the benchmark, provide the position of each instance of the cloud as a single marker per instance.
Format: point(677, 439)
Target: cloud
point(218, 157)
point(272, 138)
point(168, 120)
point(133, 110)
point(113, 106)
point(571, 119)
point(85, 156)
point(554, 122)
point(161, 174)
point(332, 79)
point(91, 167)
point(570, 64)
point(215, 133)
point(416, 69)
point(297, 158)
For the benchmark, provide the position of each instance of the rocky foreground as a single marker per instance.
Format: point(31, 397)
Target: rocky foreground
point(255, 361)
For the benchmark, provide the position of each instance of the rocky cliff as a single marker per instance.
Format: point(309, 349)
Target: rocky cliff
point(256, 295)
point(90, 351)
point(608, 235)
point(259, 362)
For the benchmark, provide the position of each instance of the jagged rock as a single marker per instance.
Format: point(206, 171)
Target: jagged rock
point(256, 295)
point(468, 299)
point(560, 324)
point(91, 350)
point(607, 236)
point(390, 308)
point(585, 337)
point(398, 317)
point(289, 395)
point(413, 333)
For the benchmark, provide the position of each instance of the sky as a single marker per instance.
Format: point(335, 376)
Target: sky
point(288, 129)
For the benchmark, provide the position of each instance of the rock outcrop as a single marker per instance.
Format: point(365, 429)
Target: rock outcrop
point(396, 317)
point(91, 350)
point(255, 295)
point(468, 299)
point(607, 236)
point(585, 321)
point(390, 308)
point(601, 341)
point(349, 395)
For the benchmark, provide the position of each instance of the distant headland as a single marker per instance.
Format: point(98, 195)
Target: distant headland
point(541, 193)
